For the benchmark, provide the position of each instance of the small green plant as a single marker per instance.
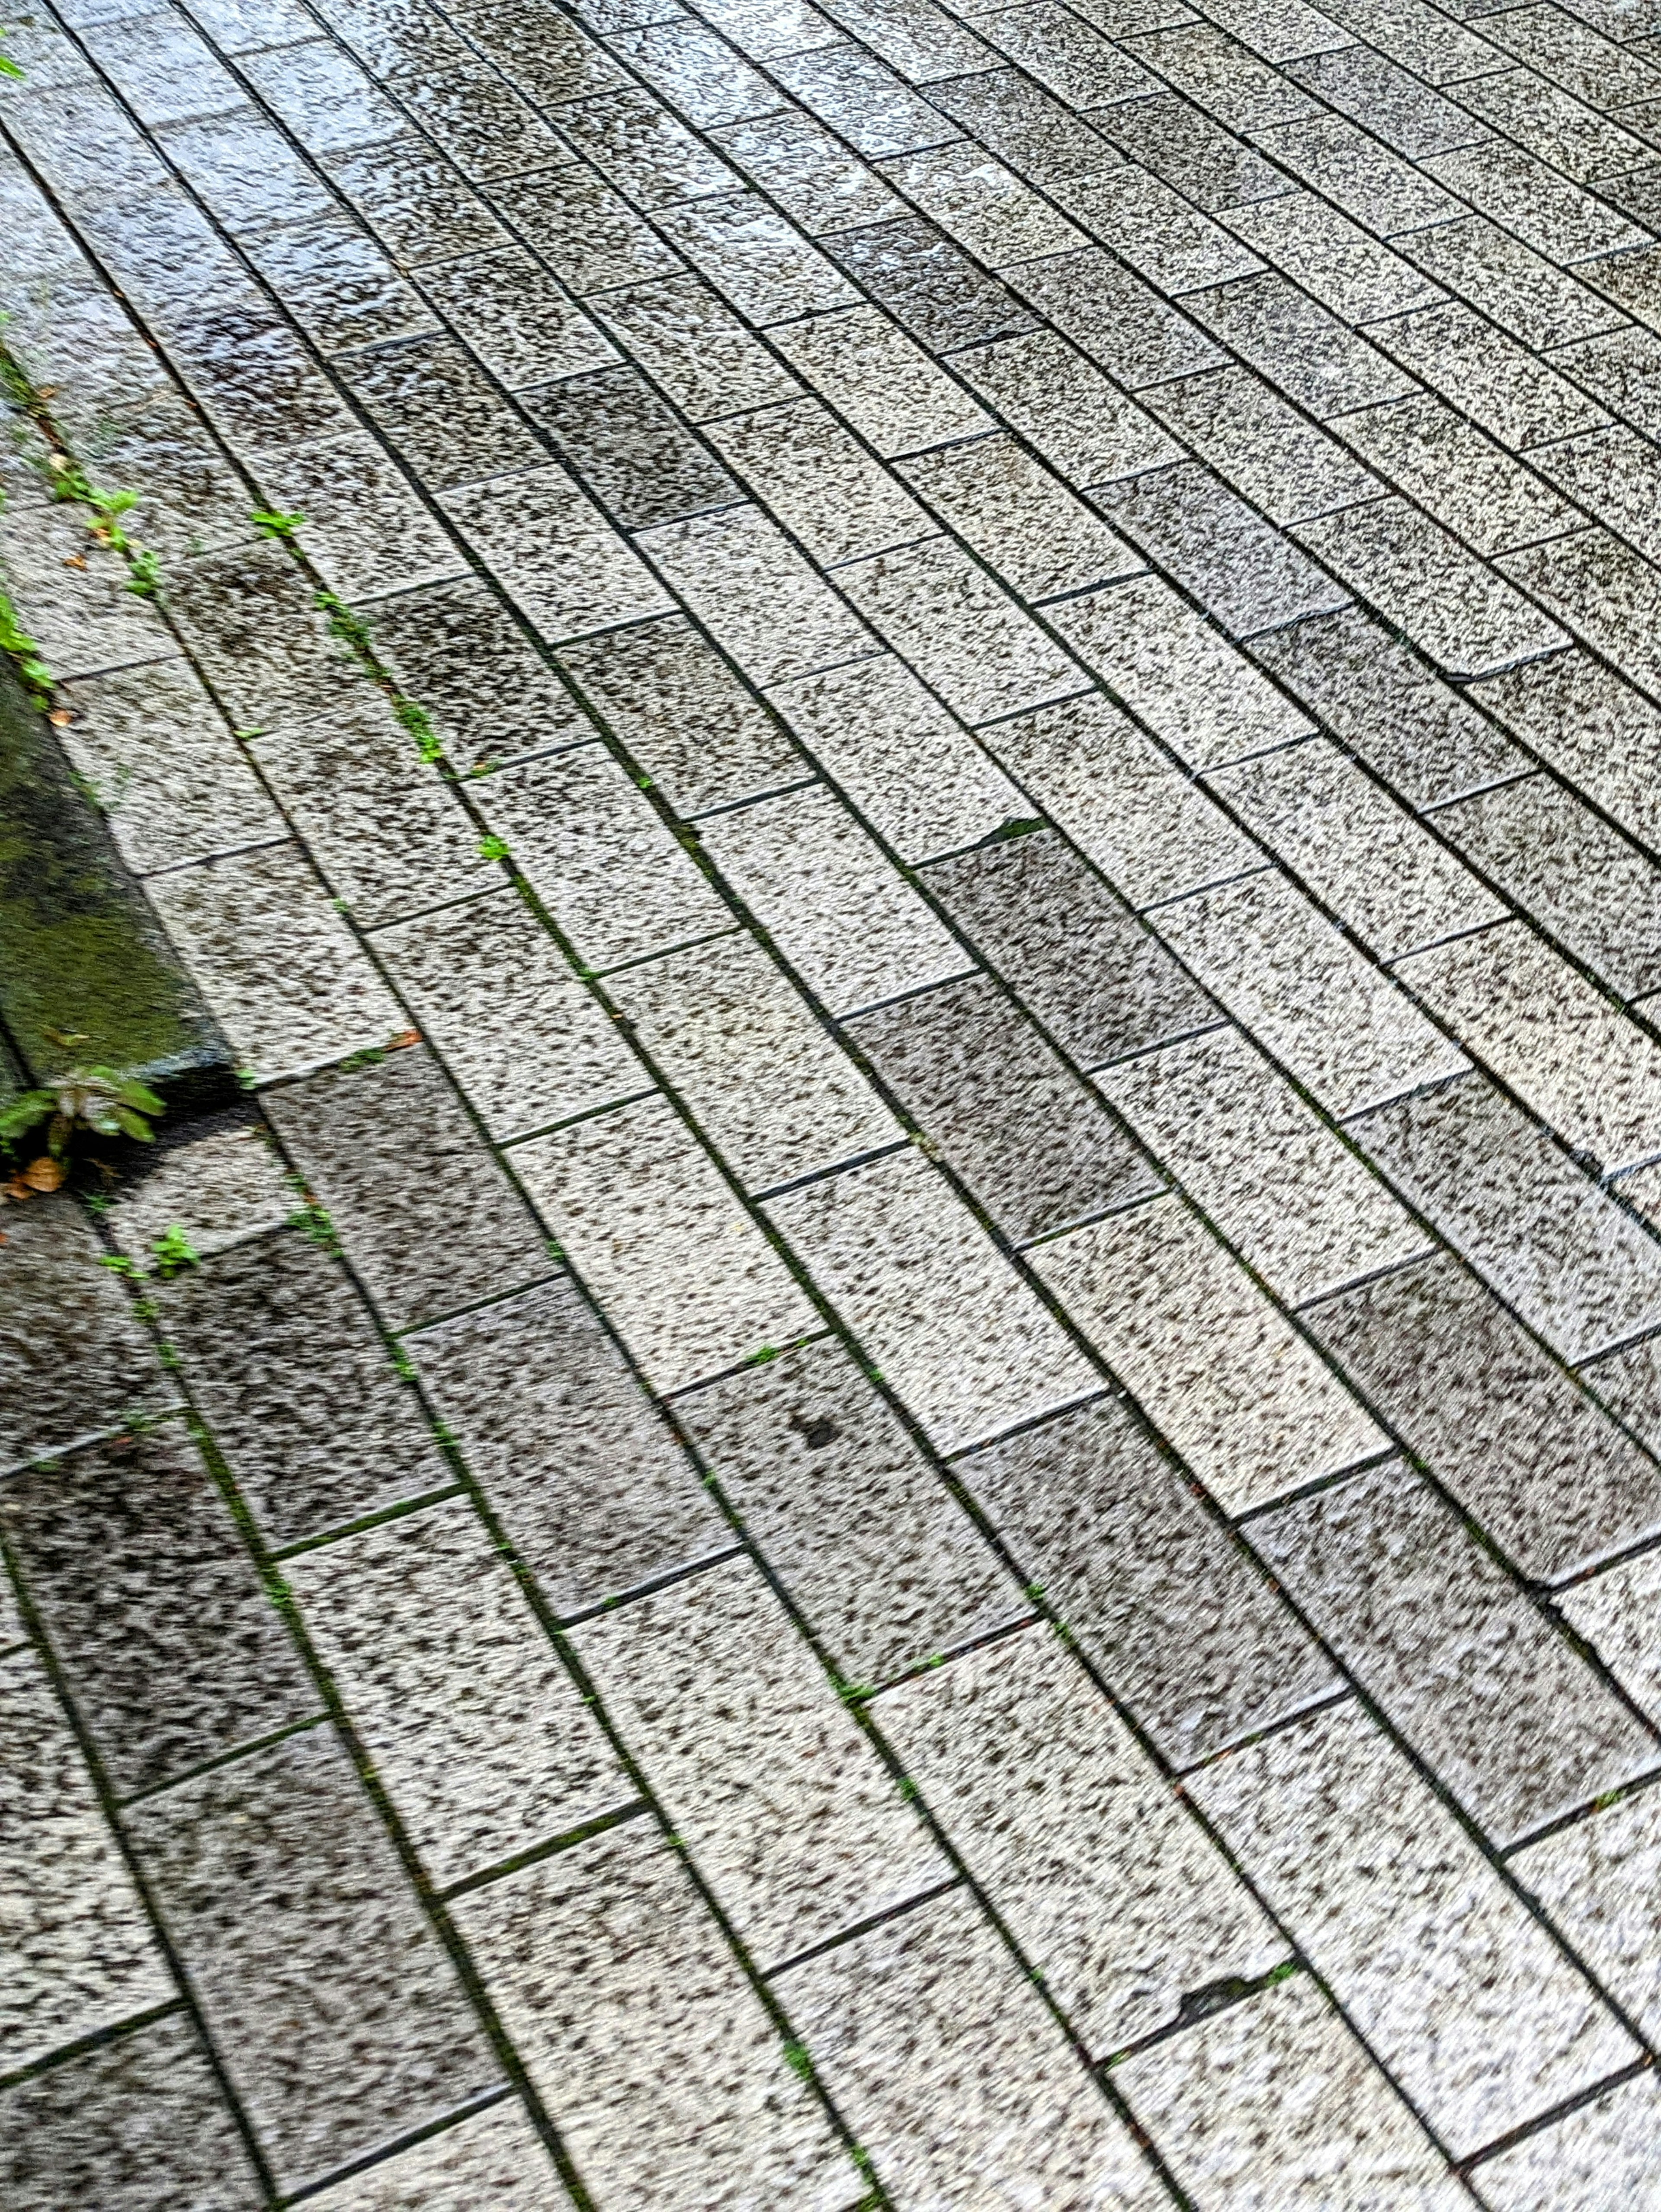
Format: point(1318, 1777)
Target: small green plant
point(146, 575)
point(172, 1252)
point(24, 654)
point(7, 66)
point(97, 1099)
point(316, 1222)
point(493, 848)
point(796, 2056)
point(271, 522)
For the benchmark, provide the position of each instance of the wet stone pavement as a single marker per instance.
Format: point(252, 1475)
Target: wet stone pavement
point(914, 1456)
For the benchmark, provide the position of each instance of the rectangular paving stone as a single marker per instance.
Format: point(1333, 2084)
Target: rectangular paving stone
point(1588, 723)
point(797, 162)
point(1429, 451)
point(1620, 370)
point(1501, 384)
point(1597, 1881)
point(785, 1805)
point(911, 769)
point(879, 380)
point(477, 1730)
point(297, 1386)
point(1052, 396)
point(497, 2155)
point(1280, 1185)
point(74, 1357)
point(637, 2027)
point(1600, 2147)
point(593, 848)
point(771, 1087)
point(1038, 134)
point(1178, 672)
point(138, 2122)
point(1571, 872)
point(246, 614)
point(1221, 76)
point(594, 1493)
point(1216, 1367)
point(820, 482)
point(1189, 152)
point(1117, 318)
point(1481, 2020)
point(756, 256)
point(458, 653)
point(865, 103)
point(389, 835)
point(564, 568)
point(1586, 1069)
point(336, 2013)
point(1305, 993)
point(981, 205)
point(1603, 590)
point(526, 1042)
point(1274, 2103)
point(642, 1209)
point(171, 1649)
point(516, 317)
point(1113, 1892)
point(1379, 190)
point(1293, 340)
point(1612, 475)
point(694, 349)
point(1421, 735)
point(1575, 1264)
point(589, 235)
point(951, 2072)
point(1617, 1612)
point(1456, 608)
point(282, 976)
point(1239, 567)
point(1363, 84)
point(683, 715)
point(637, 145)
point(928, 285)
point(1532, 1459)
point(1503, 279)
point(80, 1952)
point(1386, 878)
point(1382, 1569)
point(1345, 267)
point(1072, 950)
point(1571, 54)
point(862, 1533)
point(961, 1337)
point(761, 601)
point(1260, 446)
point(440, 413)
point(427, 1217)
point(1162, 235)
point(629, 448)
point(852, 927)
point(1535, 202)
point(1003, 1109)
point(1019, 518)
point(1076, 63)
point(968, 640)
point(173, 784)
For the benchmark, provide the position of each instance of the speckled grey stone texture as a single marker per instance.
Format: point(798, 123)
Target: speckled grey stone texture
point(1184, 1631)
point(475, 1727)
point(137, 2125)
point(964, 1341)
point(80, 1952)
point(1520, 1728)
point(424, 1214)
point(219, 1188)
point(595, 1493)
point(951, 2073)
point(1025, 1136)
point(1571, 1262)
point(1544, 1471)
point(172, 1650)
point(862, 1533)
point(497, 2157)
point(334, 2007)
point(1482, 2019)
point(74, 1358)
point(1110, 1888)
point(633, 2020)
point(783, 1801)
point(1272, 2106)
point(1218, 1368)
point(1602, 2153)
point(1597, 1880)
point(297, 1386)
point(774, 1092)
point(1067, 947)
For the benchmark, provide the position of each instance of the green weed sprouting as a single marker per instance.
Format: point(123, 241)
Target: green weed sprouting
point(493, 848)
point(272, 522)
point(24, 654)
point(172, 1252)
point(99, 1099)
